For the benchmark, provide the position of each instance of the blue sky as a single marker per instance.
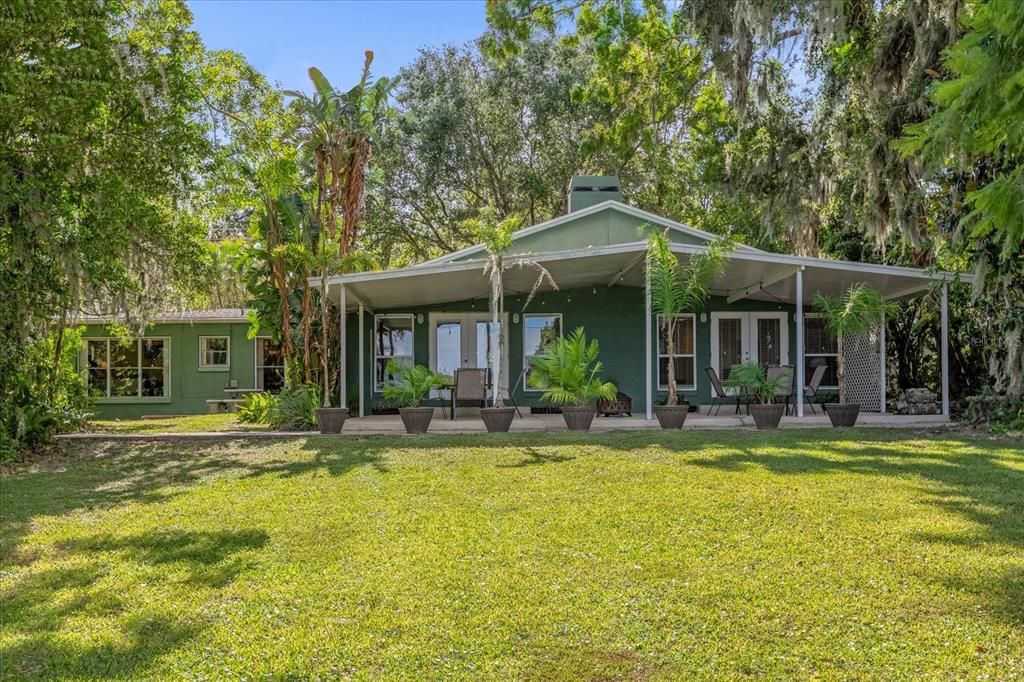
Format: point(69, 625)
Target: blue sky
point(284, 38)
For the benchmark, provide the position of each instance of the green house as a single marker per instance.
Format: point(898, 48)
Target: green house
point(436, 314)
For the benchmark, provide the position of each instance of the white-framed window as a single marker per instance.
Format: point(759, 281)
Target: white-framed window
point(215, 352)
point(137, 369)
point(539, 330)
point(392, 340)
point(269, 365)
point(821, 347)
point(685, 353)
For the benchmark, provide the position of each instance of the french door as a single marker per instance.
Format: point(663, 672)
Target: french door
point(748, 337)
point(464, 340)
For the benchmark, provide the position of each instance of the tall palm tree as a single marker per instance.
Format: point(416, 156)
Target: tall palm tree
point(676, 289)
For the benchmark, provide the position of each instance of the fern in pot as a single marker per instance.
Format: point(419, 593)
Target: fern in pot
point(569, 373)
point(750, 378)
point(410, 385)
point(860, 309)
point(675, 290)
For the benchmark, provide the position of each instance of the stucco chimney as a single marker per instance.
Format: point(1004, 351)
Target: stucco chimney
point(589, 190)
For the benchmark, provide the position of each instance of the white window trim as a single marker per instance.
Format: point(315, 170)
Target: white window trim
point(693, 356)
point(256, 361)
point(203, 366)
point(526, 357)
point(839, 349)
point(83, 361)
point(377, 388)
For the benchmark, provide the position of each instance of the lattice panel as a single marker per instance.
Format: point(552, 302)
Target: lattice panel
point(862, 368)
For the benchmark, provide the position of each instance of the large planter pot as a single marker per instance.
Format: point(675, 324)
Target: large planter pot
point(671, 416)
point(578, 417)
point(842, 414)
point(331, 419)
point(416, 419)
point(766, 416)
point(497, 419)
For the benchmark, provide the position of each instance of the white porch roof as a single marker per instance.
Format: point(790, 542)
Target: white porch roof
point(748, 274)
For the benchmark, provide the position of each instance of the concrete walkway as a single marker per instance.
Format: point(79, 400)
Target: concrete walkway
point(391, 425)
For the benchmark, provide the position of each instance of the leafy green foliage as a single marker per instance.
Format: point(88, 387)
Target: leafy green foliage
point(411, 384)
point(569, 372)
point(751, 378)
point(295, 407)
point(858, 310)
point(676, 289)
point(257, 408)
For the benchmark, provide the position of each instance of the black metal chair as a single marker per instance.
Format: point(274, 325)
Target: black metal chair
point(785, 392)
point(810, 392)
point(719, 393)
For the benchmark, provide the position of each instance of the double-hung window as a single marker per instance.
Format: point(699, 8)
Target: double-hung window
point(392, 340)
point(214, 352)
point(685, 352)
point(820, 348)
point(539, 330)
point(127, 369)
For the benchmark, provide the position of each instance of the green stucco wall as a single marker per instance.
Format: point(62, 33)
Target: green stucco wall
point(614, 316)
point(190, 387)
point(603, 228)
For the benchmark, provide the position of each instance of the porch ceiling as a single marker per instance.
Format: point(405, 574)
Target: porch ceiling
point(759, 276)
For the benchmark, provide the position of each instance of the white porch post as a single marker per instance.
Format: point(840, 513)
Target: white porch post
point(342, 359)
point(647, 344)
point(800, 341)
point(362, 366)
point(881, 363)
point(945, 348)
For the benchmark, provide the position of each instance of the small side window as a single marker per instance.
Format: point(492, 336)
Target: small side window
point(214, 352)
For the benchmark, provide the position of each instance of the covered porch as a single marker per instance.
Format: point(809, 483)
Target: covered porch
point(760, 310)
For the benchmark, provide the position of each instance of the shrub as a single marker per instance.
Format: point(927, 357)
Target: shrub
point(569, 372)
point(412, 383)
point(257, 408)
point(295, 408)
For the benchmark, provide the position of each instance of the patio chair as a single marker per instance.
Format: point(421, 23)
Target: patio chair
point(470, 387)
point(719, 393)
point(785, 391)
point(811, 389)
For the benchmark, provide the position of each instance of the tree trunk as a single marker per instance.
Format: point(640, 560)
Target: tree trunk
point(841, 370)
point(307, 334)
point(670, 346)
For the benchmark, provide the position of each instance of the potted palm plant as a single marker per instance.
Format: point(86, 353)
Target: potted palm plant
point(496, 237)
point(859, 310)
point(751, 378)
point(410, 386)
point(569, 373)
point(675, 290)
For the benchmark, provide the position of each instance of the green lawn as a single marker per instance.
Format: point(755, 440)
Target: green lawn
point(631, 555)
point(179, 424)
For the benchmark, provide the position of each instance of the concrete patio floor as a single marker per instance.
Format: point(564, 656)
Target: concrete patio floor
point(536, 423)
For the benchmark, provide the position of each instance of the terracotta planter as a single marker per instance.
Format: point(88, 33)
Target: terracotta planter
point(331, 419)
point(842, 414)
point(497, 419)
point(416, 419)
point(671, 416)
point(578, 417)
point(766, 416)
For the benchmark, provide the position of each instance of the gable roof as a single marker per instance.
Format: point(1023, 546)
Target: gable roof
point(575, 215)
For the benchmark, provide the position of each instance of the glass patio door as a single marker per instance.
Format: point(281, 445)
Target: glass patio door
point(748, 337)
point(463, 340)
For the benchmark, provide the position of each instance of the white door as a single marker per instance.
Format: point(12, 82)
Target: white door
point(748, 337)
point(464, 340)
